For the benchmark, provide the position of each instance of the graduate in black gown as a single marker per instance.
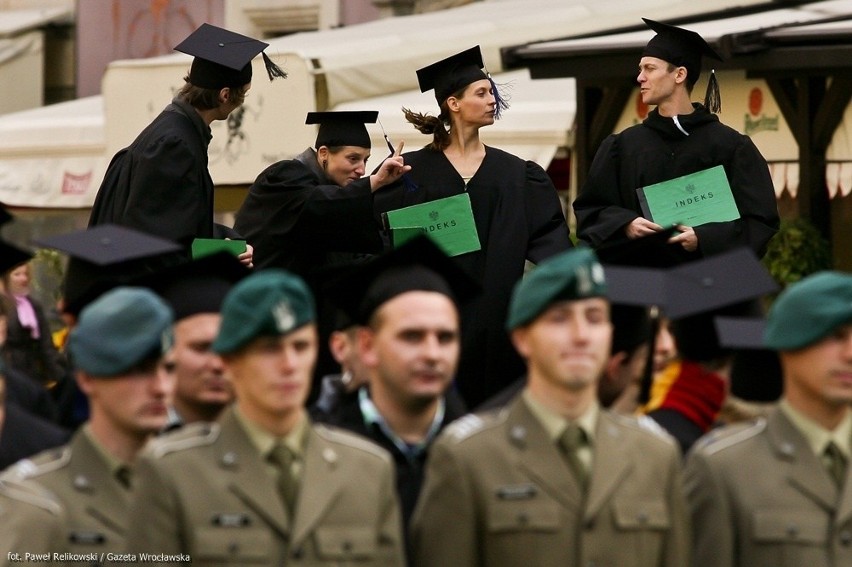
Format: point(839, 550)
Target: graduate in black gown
point(679, 137)
point(160, 184)
point(316, 210)
point(516, 211)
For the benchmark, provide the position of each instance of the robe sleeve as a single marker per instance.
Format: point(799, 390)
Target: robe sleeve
point(754, 194)
point(600, 208)
point(166, 195)
point(546, 226)
point(287, 201)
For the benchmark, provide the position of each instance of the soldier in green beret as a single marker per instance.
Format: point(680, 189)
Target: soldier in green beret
point(778, 491)
point(116, 349)
point(553, 479)
point(264, 486)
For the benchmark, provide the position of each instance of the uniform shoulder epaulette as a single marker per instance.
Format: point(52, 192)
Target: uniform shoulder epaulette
point(44, 462)
point(730, 435)
point(343, 437)
point(187, 437)
point(473, 423)
point(30, 493)
point(645, 424)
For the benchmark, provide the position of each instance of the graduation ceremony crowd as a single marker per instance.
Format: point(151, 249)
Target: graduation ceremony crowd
point(415, 364)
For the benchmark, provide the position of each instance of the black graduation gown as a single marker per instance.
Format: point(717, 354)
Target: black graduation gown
point(518, 217)
point(656, 150)
point(298, 220)
point(160, 184)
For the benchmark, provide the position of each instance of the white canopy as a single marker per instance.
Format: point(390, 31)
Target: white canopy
point(368, 65)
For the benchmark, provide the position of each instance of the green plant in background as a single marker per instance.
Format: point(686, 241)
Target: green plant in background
point(796, 251)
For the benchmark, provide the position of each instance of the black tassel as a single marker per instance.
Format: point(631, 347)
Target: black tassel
point(272, 69)
point(713, 99)
point(502, 103)
point(409, 185)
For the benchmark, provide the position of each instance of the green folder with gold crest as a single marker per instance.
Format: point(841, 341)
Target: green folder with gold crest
point(448, 221)
point(692, 200)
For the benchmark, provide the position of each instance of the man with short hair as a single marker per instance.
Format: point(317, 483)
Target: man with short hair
point(553, 479)
point(116, 349)
point(677, 138)
point(776, 491)
point(160, 183)
point(263, 486)
point(195, 291)
point(408, 344)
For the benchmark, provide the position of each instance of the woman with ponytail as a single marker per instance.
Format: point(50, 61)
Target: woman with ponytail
point(516, 212)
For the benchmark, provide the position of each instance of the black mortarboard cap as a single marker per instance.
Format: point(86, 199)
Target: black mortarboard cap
point(684, 48)
point(11, 256)
point(343, 128)
point(452, 74)
point(741, 332)
point(417, 265)
point(695, 287)
point(197, 286)
point(680, 47)
point(223, 58)
point(106, 256)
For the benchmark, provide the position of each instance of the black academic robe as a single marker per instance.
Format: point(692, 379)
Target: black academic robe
point(298, 220)
point(160, 184)
point(24, 435)
point(518, 217)
point(656, 150)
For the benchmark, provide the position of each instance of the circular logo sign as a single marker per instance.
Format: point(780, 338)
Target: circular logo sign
point(755, 101)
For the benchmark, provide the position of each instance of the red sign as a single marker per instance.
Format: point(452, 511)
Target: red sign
point(755, 101)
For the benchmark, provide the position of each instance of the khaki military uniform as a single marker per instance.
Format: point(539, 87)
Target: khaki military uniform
point(498, 492)
point(759, 497)
point(205, 492)
point(31, 522)
point(95, 503)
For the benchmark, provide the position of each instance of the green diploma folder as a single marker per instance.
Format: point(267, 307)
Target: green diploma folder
point(202, 247)
point(449, 222)
point(692, 200)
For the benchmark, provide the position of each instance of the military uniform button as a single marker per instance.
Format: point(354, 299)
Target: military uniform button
point(642, 517)
point(298, 553)
point(846, 538)
point(523, 518)
point(792, 530)
point(233, 547)
point(347, 546)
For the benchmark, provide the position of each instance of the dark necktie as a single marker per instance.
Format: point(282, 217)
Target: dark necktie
point(125, 476)
point(571, 441)
point(282, 458)
point(835, 463)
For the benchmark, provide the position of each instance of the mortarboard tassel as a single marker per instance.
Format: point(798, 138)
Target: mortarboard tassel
point(713, 99)
point(502, 102)
point(272, 69)
point(409, 185)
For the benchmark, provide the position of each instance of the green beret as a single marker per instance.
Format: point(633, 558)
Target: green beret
point(119, 330)
point(809, 310)
point(269, 303)
point(571, 275)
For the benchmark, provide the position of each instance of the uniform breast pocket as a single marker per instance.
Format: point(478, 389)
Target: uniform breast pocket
point(233, 545)
point(641, 526)
point(345, 544)
point(533, 515)
point(790, 537)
